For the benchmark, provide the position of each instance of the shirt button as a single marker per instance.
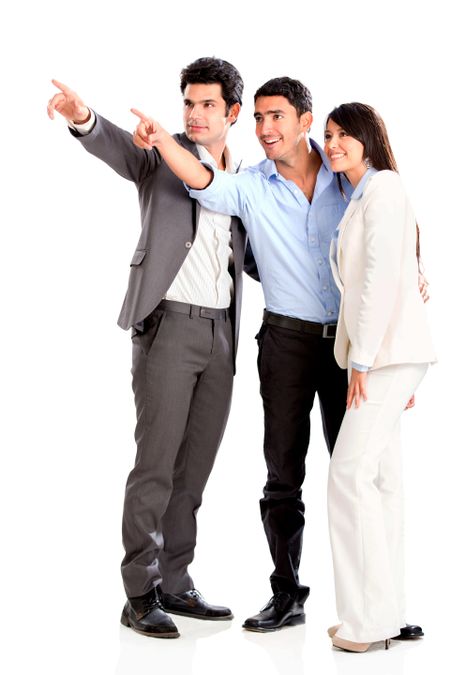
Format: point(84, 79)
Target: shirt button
point(188, 244)
point(312, 240)
point(320, 261)
point(325, 288)
point(330, 313)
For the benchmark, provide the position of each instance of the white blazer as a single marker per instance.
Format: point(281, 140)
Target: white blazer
point(382, 319)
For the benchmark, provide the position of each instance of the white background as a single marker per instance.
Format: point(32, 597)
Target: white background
point(68, 229)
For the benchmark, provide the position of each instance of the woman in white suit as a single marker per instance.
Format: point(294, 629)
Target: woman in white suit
point(383, 340)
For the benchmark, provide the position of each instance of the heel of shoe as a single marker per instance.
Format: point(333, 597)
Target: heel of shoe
point(349, 645)
point(124, 620)
point(387, 643)
point(297, 620)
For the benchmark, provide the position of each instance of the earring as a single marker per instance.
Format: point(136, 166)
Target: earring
point(367, 162)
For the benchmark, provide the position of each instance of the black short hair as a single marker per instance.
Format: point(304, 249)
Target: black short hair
point(209, 70)
point(296, 93)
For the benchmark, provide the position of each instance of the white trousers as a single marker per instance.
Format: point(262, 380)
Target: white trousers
point(365, 508)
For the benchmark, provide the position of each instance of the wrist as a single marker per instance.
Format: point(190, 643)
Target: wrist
point(162, 139)
point(84, 117)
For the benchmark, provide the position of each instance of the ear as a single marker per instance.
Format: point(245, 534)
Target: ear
point(306, 121)
point(234, 112)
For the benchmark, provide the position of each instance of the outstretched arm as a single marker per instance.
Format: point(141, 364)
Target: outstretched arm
point(102, 138)
point(149, 134)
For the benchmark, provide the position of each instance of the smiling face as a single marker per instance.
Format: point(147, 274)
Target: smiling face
point(279, 128)
point(346, 154)
point(205, 117)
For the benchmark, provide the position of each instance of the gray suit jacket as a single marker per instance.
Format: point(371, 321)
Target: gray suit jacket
point(169, 219)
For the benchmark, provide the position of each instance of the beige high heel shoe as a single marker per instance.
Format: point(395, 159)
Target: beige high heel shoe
point(333, 630)
point(349, 646)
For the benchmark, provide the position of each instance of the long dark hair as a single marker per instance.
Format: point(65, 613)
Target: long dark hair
point(362, 122)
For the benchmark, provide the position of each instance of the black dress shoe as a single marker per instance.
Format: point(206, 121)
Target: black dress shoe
point(409, 632)
point(191, 603)
point(281, 610)
point(145, 615)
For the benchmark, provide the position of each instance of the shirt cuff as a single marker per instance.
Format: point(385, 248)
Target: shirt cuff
point(86, 127)
point(360, 367)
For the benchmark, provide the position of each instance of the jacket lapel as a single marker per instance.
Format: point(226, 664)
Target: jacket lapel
point(333, 264)
point(351, 209)
point(343, 225)
point(189, 145)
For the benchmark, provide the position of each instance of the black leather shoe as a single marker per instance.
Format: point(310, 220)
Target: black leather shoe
point(409, 632)
point(281, 610)
point(146, 615)
point(191, 603)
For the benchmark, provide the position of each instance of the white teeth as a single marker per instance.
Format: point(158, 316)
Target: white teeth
point(337, 156)
point(271, 140)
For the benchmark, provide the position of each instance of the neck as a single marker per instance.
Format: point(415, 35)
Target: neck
point(303, 162)
point(217, 153)
point(355, 175)
point(301, 168)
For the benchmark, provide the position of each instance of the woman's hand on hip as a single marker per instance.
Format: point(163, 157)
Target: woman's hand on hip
point(411, 403)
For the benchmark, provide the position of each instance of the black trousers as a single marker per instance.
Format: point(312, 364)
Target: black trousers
point(293, 367)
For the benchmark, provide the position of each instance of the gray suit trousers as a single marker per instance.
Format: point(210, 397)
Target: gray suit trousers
point(182, 381)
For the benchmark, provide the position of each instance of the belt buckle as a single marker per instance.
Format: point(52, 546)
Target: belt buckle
point(325, 330)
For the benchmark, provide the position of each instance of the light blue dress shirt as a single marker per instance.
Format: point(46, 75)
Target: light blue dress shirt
point(290, 237)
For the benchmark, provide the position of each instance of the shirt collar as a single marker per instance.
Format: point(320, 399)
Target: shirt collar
point(359, 189)
point(205, 156)
point(269, 168)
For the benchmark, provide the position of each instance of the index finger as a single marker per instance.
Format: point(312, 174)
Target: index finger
point(63, 87)
point(350, 395)
point(140, 114)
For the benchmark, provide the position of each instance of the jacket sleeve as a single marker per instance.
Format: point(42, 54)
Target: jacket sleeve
point(385, 219)
point(115, 147)
point(250, 266)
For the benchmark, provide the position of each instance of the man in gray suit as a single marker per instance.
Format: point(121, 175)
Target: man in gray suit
point(183, 304)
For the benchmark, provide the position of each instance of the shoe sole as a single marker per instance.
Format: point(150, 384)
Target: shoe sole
point(334, 629)
point(408, 637)
point(125, 622)
point(228, 617)
point(295, 621)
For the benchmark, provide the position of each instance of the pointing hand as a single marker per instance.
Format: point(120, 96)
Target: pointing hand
point(68, 104)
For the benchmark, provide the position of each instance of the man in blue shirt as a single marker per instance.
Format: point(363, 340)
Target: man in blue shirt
point(290, 205)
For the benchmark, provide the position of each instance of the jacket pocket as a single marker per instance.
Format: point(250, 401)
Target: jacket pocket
point(138, 257)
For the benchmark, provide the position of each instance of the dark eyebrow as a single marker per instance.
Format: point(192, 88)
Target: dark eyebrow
point(268, 112)
point(205, 100)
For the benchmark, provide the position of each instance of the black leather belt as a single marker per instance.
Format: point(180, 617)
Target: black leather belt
point(326, 330)
point(193, 310)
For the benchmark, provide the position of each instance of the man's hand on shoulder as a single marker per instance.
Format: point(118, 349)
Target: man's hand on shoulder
point(68, 104)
